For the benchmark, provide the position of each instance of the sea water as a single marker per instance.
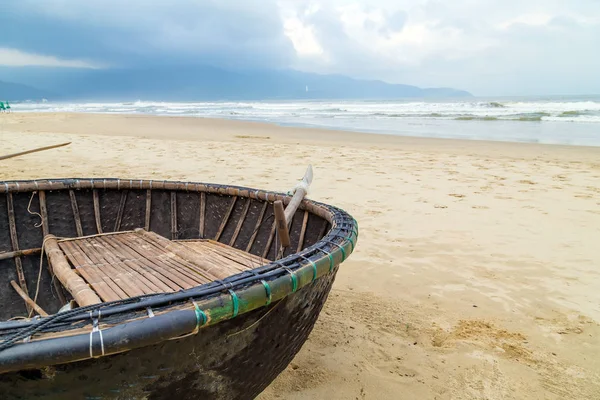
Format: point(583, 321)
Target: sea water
point(555, 120)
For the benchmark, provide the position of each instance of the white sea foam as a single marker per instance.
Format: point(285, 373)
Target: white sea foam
point(546, 120)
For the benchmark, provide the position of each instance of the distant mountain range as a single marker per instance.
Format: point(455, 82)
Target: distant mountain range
point(16, 91)
point(199, 84)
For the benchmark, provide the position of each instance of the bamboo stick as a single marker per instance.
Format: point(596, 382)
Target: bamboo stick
point(302, 232)
point(76, 213)
point(80, 290)
point(173, 215)
point(282, 229)
point(33, 151)
point(19, 253)
point(257, 227)
point(12, 226)
point(97, 210)
point(43, 212)
point(269, 241)
point(45, 232)
point(238, 228)
point(225, 218)
point(28, 300)
point(121, 210)
point(148, 209)
point(202, 213)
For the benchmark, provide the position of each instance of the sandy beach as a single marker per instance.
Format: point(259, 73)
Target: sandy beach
point(477, 271)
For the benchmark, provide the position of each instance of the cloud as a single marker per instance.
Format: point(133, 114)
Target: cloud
point(135, 32)
point(17, 58)
point(487, 47)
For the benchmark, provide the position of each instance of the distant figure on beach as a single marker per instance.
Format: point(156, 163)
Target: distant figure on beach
point(7, 106)
point(2, 108)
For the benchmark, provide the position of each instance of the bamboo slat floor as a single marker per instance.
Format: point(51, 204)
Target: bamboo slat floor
point(127, 264)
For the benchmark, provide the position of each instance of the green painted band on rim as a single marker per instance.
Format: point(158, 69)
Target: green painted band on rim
point(200, 316)
point(353, 241)
point(294, 279)
point(267, 290)
point(235, 303)
point(314, 266)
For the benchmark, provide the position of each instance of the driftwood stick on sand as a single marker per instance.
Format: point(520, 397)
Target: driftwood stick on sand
point(33, 150)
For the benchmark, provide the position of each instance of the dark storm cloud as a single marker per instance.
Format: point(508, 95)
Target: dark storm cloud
point(134, 33)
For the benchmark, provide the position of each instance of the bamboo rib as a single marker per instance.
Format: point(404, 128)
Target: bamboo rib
point(45, 232)
point(76, 213)
point(202, 213)
point(302, 232)
point(173, 215)
point(269, 241)
point(43, 212)
point(12, 254)
point(225, 218)
point(148, 209)
point(122, 203)
point(97, 211)
point(12, 226)
point(28, 300)
point(257, 227)
point(238, 228)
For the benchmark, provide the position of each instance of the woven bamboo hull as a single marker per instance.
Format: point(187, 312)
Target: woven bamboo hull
point(254, 322)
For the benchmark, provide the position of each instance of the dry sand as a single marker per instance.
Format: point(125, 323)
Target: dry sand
point(477, 271)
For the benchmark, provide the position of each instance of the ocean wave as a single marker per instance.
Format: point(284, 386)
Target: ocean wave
point(296, 111)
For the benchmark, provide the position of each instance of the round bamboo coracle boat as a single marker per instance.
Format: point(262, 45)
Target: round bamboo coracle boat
point(130, 289)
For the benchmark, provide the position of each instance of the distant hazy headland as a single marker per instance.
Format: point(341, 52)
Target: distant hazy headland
point(197, 84)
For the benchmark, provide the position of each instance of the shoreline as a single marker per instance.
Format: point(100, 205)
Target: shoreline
point(70, 123)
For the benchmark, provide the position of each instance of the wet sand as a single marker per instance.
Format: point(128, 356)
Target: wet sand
point(477, 270)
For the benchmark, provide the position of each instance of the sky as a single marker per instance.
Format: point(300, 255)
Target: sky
point(488, 47)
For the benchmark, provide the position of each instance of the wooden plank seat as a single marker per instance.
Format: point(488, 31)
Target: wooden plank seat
point(120, 265)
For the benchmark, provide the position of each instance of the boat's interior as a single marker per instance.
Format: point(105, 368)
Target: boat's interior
point(74, 247)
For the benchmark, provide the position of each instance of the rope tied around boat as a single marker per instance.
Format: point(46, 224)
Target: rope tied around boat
point(96, 328)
